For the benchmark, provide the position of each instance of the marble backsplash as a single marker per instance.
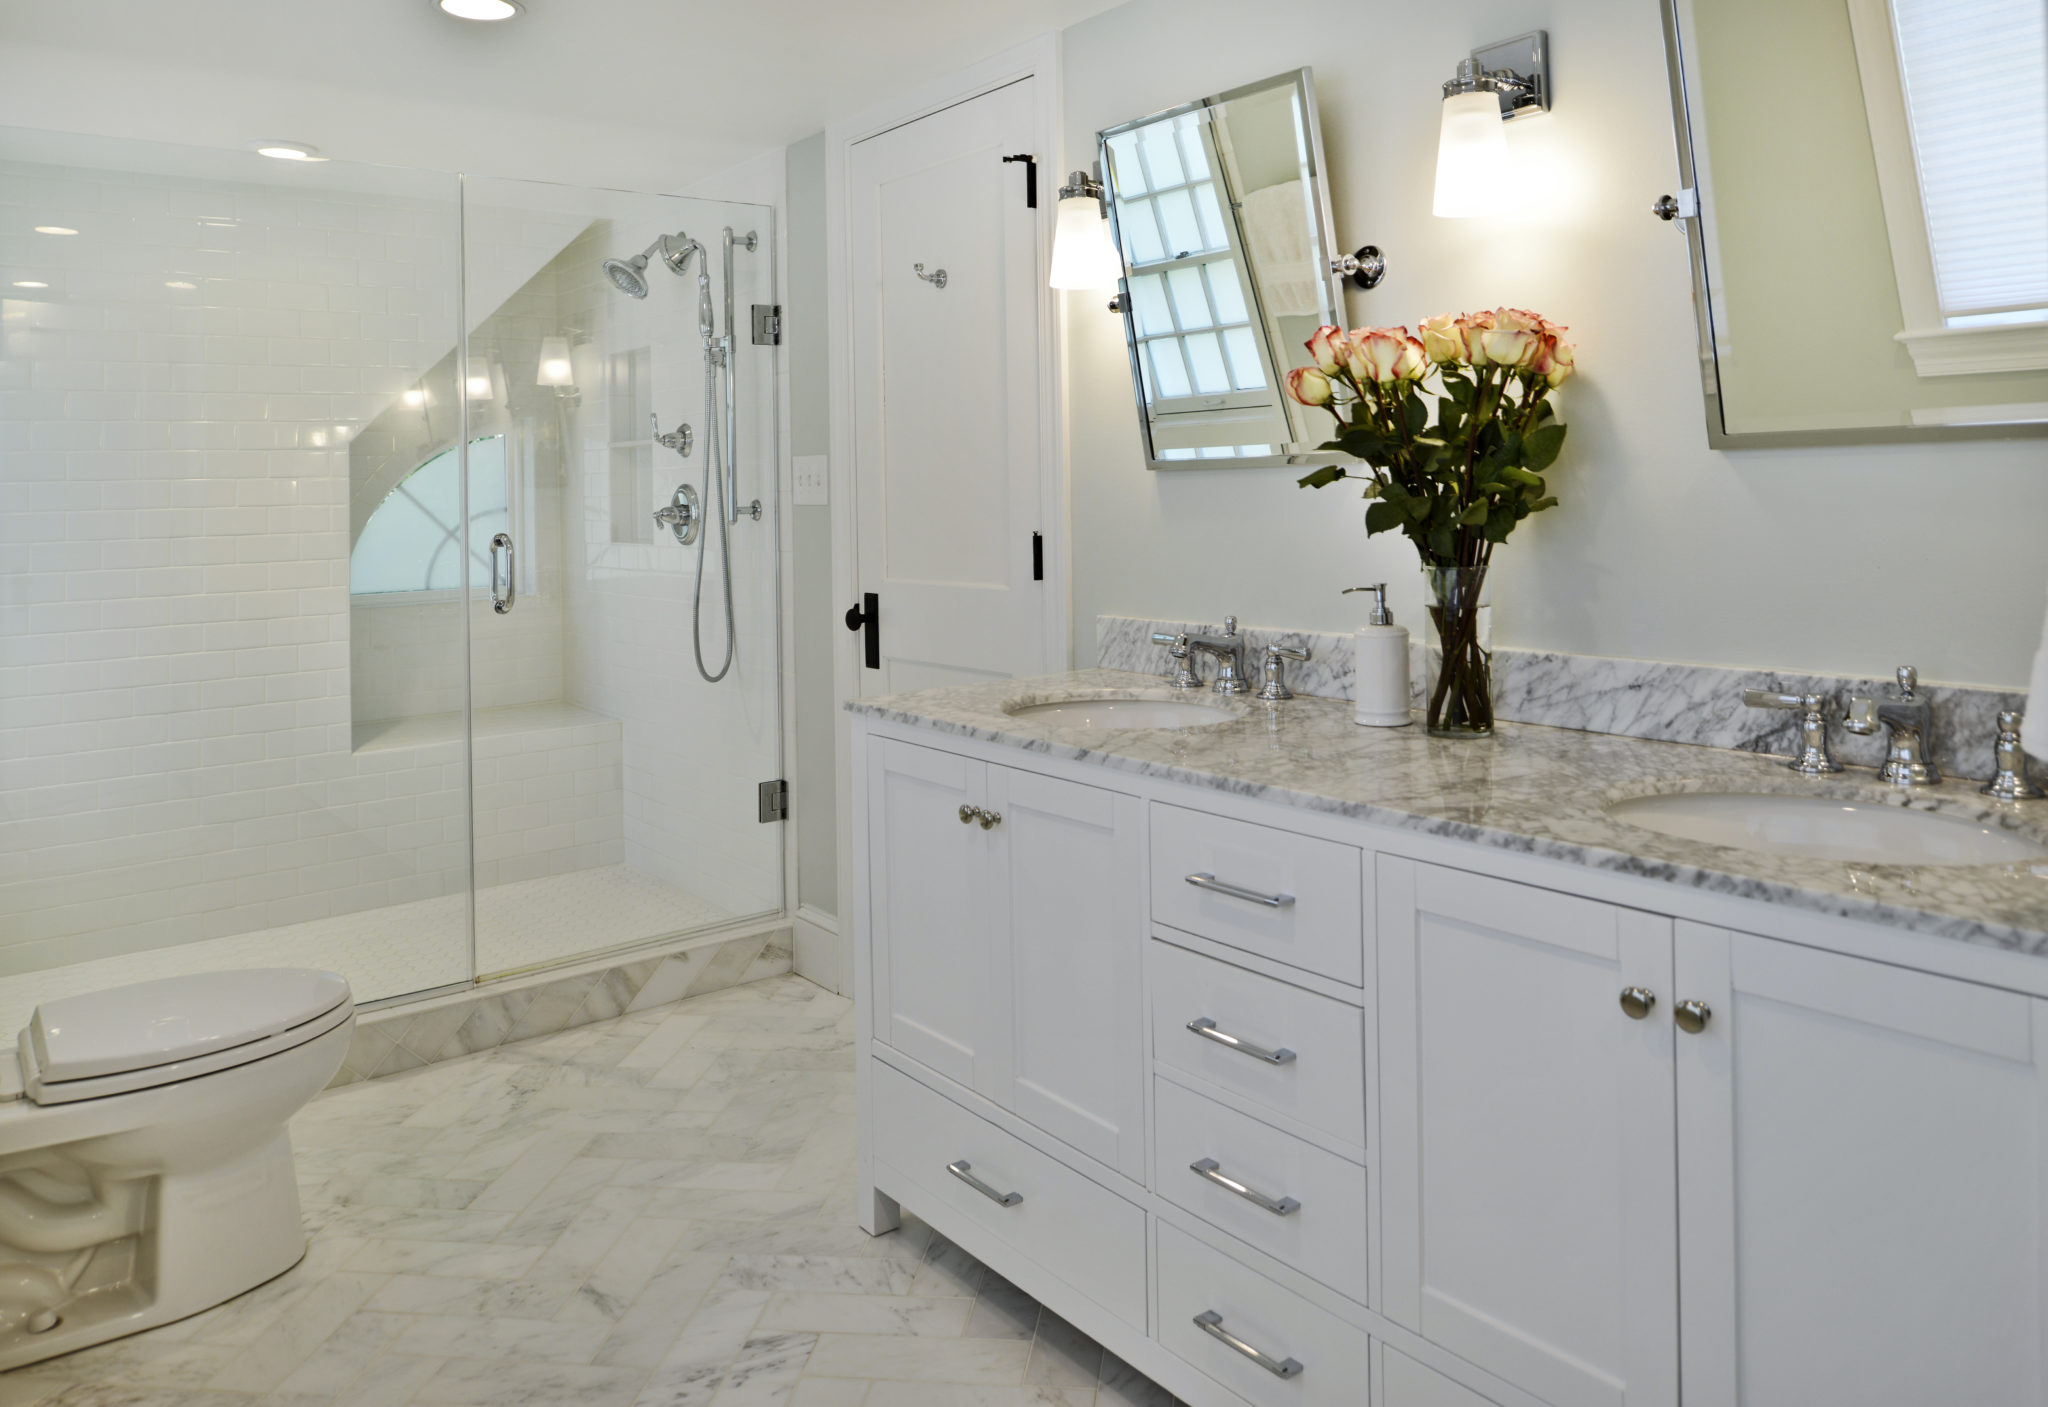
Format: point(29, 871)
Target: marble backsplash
point(1678, 703)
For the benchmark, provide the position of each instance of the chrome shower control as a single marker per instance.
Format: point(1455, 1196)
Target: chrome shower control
point(684, 515)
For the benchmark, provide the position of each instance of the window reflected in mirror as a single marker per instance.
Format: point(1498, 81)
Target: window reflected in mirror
point(1222, 221)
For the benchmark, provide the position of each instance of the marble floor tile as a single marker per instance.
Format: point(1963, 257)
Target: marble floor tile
point(654, 1210)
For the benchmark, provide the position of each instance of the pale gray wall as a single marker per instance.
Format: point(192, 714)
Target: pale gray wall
point(1839, 560)
point(803, 314)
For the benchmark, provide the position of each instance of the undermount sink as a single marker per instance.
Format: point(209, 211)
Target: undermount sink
point(1825, 828)
point(1121, 713)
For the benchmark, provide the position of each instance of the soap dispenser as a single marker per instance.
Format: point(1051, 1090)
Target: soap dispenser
point(1379, 663)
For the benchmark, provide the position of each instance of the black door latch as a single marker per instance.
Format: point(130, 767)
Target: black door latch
point(867, 616)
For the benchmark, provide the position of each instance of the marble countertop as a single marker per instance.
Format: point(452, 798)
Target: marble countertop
point(1537, 790)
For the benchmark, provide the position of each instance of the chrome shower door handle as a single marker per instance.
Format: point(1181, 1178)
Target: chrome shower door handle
point(501, 550)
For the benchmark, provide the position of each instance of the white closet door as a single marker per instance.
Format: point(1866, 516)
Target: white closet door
point(946, 393)
point(1527, 1201)
point(1863, 1158)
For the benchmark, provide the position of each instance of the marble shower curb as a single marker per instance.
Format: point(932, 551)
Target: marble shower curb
point(405, 1037)
point(1672, 703)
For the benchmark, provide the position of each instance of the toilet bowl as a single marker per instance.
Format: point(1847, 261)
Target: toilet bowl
point(146, 1173)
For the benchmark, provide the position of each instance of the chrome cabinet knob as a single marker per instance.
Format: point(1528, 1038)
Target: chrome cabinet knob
point(1692, 1016)
point(991, 819)
point(968, 813)
point(1637, 1001)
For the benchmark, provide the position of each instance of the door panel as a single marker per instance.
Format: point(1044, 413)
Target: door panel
point(1861, 1171)
point(1527, 1128)
point(928, 907)
point(946, 394)
point(1067, 914)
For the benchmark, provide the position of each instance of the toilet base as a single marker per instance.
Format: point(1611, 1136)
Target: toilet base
point(211, 1233)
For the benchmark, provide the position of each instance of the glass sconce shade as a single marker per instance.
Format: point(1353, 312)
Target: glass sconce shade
point(555, 367)
point(1471, 157)
point(1083, 255)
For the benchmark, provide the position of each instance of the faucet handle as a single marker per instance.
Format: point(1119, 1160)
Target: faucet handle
point(1813, 758)
point(1185, 675)
point(1230, 625)
point(2011, 783)
point(1909, 678)
point(1273, 686)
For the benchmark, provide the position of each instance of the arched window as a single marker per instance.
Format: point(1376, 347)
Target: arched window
point(412, 539)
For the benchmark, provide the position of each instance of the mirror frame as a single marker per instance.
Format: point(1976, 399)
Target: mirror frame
point(1718, 434)
point(1303, 80)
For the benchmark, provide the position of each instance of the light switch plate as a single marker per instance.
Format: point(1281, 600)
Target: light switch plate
point(813, 480)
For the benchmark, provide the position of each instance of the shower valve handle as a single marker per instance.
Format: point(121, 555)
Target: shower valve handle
point(679, 440)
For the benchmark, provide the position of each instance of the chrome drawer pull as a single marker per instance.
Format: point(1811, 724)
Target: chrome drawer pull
point(1217, 886)
point(1206, 1029)
point(963, 1170)
point(1213, 1171)
point(1211, 1323)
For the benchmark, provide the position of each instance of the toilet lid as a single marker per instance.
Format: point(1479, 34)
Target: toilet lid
point(175, 1019)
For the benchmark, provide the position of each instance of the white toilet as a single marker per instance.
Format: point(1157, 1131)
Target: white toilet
point(145, 1170)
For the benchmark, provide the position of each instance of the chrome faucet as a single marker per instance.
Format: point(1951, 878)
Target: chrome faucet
point(1813, 758)
point(1185, 675)
point(1910, 717)
point(2012, 782)
point(1228, 648)
point(1273, 680)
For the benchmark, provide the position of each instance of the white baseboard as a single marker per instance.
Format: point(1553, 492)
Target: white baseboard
point(816, 953)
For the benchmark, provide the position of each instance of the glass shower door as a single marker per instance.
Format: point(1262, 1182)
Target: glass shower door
point(616, 795)
point(229, 737)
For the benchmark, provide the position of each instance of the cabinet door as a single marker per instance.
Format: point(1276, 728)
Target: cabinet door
point(1067, 891)
point(1528, 1207)
point(929, 907)
point(1861, 1174)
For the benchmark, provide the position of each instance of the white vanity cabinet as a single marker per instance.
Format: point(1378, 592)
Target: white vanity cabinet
point(1364, 1117)
point(1004, 903)
point(1527, 1123)
point(1862, 1167)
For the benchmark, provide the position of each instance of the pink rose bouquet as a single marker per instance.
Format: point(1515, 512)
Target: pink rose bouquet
point(1455, 482)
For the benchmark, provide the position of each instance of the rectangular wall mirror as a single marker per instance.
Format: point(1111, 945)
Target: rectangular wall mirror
point(1222, 215)
point(1868, 216)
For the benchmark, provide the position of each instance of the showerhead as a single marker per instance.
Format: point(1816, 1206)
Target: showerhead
point(629, 275)
point(625, 275)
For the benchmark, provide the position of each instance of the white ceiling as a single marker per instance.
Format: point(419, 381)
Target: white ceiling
point(634, 92)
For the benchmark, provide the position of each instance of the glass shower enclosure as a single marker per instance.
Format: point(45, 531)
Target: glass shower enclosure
point(336, 625)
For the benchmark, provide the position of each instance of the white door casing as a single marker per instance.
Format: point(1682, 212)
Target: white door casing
point(1863, 1161)
point(946, 386)
point(1527, 1124)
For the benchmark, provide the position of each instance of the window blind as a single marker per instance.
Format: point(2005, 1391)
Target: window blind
point(1975, 75)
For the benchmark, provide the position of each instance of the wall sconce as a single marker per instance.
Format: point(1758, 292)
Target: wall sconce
point(555, 367)
point(1083, 254)
point(1497, 84)
point(476, 381)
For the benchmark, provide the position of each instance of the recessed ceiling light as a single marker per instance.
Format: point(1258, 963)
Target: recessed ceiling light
point(29, 283)
point(179, 283)
point(484, 10)
point(55, 229)
point(286, 151)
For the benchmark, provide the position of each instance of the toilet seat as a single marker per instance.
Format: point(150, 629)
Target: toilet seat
point(174, 1028)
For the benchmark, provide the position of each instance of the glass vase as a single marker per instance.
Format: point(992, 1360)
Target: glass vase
point(1458, 670)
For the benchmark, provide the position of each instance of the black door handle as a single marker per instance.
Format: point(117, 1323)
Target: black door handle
point(867, 616)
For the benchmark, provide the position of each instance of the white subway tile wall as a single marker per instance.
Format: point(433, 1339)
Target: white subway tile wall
point(176, 756)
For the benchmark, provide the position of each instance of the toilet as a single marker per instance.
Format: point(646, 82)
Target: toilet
point(145, 1169)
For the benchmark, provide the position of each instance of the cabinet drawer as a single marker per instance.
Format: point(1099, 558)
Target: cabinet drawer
point(1298, 899)
point(1076, 1229)
point(1197, 1281)
point(1402, 1382)
point(1321, 1234)
point(1323, 1086)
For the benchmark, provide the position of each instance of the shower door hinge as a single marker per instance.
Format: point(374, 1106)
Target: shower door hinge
point(767, 324)
point(774, 801)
